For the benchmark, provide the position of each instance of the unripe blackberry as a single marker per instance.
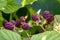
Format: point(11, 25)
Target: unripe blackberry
point(46, 14)
point(4, 22)
point(50, 19)
point(9, 26)
point(25, 26)
point(41, 30)
point(35, 17)
point(18, 23)
point(12, 21)
point(22, 19)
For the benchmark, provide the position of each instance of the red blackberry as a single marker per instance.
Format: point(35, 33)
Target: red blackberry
point(22, 19)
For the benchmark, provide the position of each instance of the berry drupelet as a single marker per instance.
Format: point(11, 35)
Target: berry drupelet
point(9, 26)
point(25, 26)
point(35, 17)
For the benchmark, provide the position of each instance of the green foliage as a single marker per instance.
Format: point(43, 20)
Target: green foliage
point(1, 19)
point(51, 5)
point(9, 35)
point(3, 3)
point(11, 7)
point(57, 18)
point(49, 35)
point(14, 9)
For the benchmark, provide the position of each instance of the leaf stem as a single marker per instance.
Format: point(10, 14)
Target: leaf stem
point(10, 16)
point(27, 35)
point(15, 16)
point(42, 27)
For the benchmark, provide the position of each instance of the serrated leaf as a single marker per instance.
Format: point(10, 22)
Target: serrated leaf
point(11, 7)
point(3, 3)
point(49, 35)
point(9, 35)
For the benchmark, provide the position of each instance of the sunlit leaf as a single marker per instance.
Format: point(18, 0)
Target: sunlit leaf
point(3, 3)
point(49, 35)
point(11, 7)
point(9, 35)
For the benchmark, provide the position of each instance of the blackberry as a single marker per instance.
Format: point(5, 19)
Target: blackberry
point(22, 19)
point(4, 22)
point(41, 30)
point(12, 21)
point(25, 26)
point(46, 14)
point(35, 17)
point(9, 26)
point(18, 23)
point(50, 19)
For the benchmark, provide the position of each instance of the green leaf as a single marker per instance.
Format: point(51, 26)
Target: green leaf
point(11, 7)
point(49, 35)
point(2, 4)
point(57, 18)
point(9, 35)
point(1, 19)
point(26, 2)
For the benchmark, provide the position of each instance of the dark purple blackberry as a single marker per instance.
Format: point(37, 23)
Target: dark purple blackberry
point(50, 19)
point(35, 17)
point(12, 21)
point(18, 23)
point(41, 30)
point(25, 26)
point(22, 19)
point(9, 26)
point(46, 14)
point(4, 22)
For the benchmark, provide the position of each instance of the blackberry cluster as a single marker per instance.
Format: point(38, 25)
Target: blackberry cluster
point(49, 18)
point(20, 23)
